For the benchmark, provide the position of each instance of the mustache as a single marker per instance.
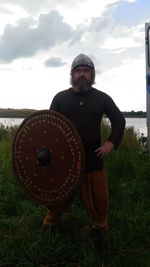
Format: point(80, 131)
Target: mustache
point(81, 83)
point(81, 78)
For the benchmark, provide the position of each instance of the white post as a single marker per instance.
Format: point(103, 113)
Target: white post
point(147, 52)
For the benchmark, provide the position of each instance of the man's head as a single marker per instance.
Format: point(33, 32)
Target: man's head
point(82, 73)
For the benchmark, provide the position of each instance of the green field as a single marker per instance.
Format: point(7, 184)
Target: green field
point(24, 242)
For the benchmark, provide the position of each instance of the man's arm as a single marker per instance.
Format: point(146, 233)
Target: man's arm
point(117, 128)
point(117, 121)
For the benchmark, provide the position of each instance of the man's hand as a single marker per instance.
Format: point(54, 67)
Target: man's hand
point(105, 149)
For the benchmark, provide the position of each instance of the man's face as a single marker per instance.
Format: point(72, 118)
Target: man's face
point(82, 78)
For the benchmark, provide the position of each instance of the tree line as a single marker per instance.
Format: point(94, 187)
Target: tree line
point(23, 113)
point(132, 113)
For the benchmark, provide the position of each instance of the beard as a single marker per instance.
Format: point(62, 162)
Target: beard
point(81, 84)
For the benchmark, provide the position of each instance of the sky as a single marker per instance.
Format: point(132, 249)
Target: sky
point(40, 39)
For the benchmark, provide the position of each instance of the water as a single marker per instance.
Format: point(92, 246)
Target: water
point(139, 124)
point(10, 121)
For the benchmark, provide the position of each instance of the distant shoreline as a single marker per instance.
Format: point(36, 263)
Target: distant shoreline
point(23, 113)
point(16, 113)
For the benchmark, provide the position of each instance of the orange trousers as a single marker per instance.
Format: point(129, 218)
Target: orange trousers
point(95, 198)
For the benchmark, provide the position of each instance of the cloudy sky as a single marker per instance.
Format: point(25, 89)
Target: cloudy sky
point(40, 38)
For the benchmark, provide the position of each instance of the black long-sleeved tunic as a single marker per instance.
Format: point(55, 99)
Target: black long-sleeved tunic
point(85, 111)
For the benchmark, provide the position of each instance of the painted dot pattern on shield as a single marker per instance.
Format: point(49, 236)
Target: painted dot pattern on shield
point(51, 133)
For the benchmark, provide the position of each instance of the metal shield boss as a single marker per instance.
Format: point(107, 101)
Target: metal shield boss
point(48, 157)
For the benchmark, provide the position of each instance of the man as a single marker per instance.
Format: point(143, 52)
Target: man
point(84, 106)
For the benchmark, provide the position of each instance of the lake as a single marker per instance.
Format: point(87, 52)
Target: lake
point(139, 124)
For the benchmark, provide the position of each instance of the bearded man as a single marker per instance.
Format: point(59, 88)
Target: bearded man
point(85, 106)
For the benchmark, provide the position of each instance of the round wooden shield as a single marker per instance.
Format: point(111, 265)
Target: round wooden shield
point(48, 157)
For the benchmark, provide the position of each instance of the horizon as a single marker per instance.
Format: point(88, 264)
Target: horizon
point(1, 108)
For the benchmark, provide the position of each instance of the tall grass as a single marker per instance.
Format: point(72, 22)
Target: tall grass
point(24, 242)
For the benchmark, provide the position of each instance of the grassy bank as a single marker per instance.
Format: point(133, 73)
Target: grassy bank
point(23, 241)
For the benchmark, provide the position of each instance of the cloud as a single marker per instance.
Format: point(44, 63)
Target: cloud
point(54, 62)
point(126, 84)
point(49, 31)
point(34, 6)
point(5, 10)
point(30, 36)
point(99, 28)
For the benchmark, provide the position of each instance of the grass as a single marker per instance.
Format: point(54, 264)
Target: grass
point(24, 243)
